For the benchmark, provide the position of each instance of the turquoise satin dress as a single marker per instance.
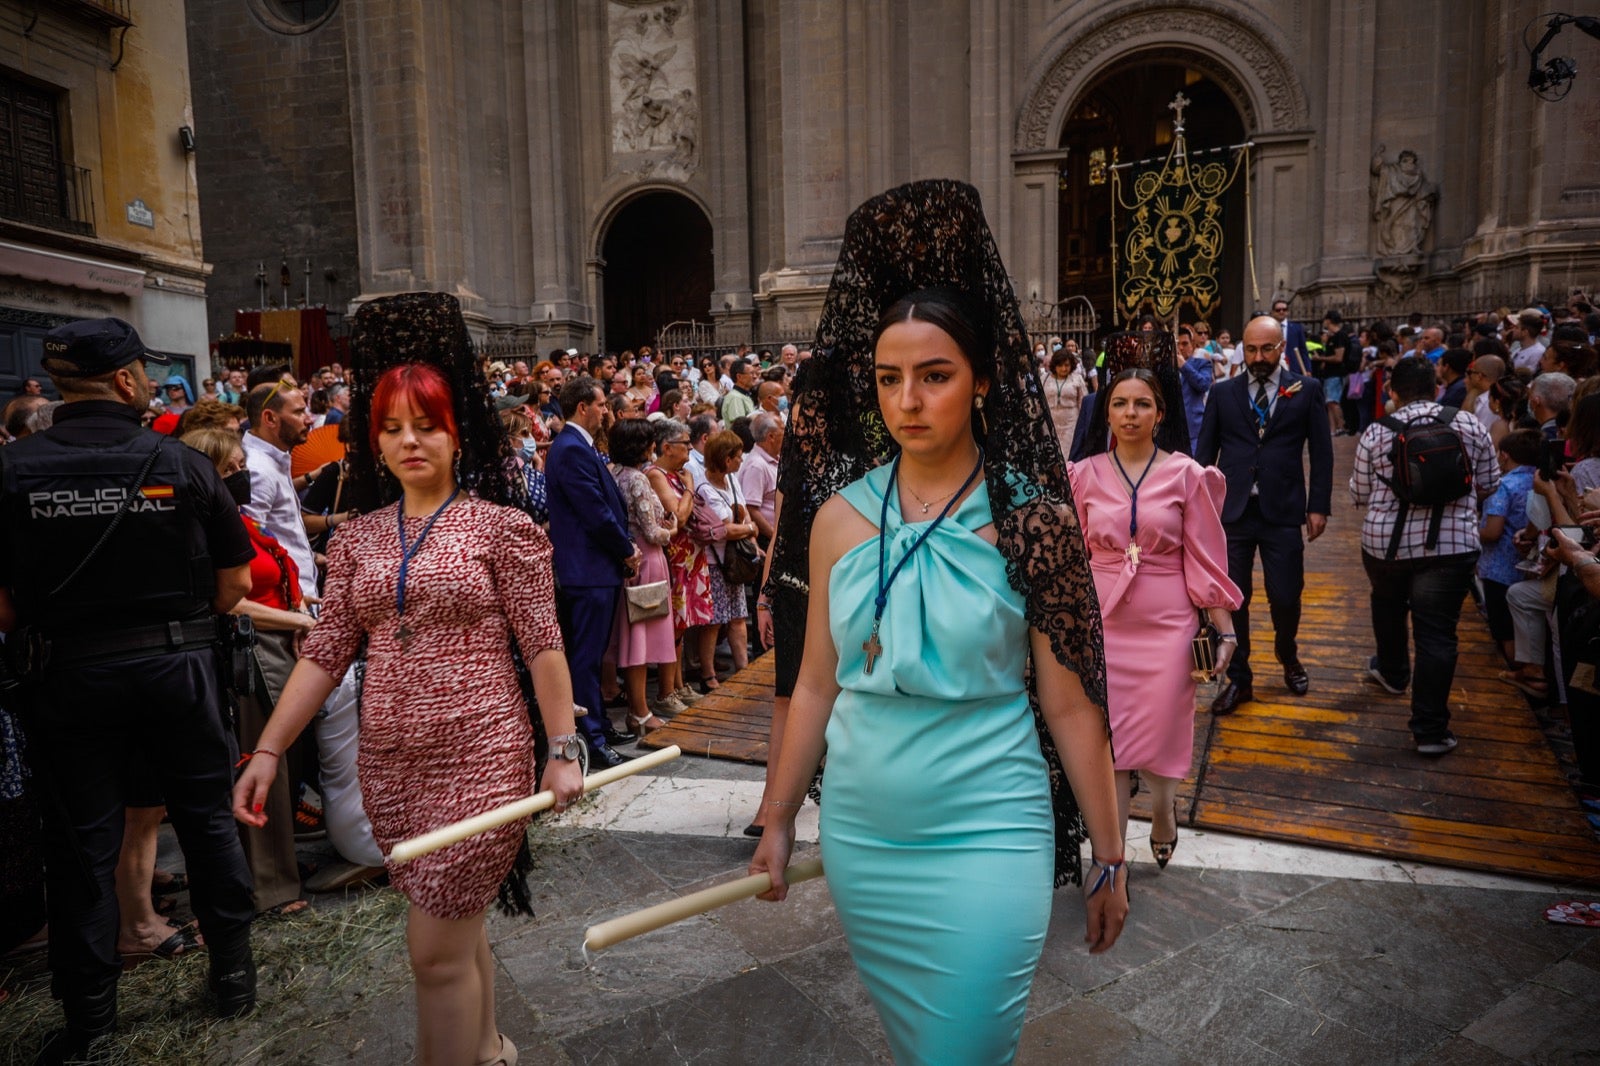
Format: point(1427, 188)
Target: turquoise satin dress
point(937, 832)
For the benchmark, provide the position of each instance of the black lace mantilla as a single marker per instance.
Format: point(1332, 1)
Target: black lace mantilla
point(915, 236)
point(1157, 352)
point(425, 327)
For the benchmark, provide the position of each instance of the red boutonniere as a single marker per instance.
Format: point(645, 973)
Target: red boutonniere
point(1285, 391)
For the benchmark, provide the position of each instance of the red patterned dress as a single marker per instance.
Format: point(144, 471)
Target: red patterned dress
point(444, 727)
point(690, 566)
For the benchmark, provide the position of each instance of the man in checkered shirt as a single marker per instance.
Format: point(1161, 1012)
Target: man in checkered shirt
point(1428, 584)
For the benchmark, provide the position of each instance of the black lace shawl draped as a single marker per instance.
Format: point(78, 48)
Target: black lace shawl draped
point(425, 327)
point(1155, 351)
point(915, 236)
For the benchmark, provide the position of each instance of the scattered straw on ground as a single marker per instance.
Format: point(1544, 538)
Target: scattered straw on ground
point(315, 970)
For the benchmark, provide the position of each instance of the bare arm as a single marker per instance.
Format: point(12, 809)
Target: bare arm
point(233, 584)
point(307, 688)
point(763, 529)
point(1079, 730)
point(679, 505)
point(552, 686)
point(812, 703)
point(274, 618)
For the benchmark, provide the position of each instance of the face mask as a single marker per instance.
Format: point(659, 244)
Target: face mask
point(1055, 347)
point(783, 403)
point(238, 484)
point(529, 446)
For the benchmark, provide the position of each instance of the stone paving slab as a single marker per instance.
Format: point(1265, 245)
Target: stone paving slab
point(1218, 966)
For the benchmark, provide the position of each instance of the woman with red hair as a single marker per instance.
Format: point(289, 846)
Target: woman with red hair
point(437, 586)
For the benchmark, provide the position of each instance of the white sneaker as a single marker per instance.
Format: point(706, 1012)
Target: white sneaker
point(667, 706)
point(1437, 747)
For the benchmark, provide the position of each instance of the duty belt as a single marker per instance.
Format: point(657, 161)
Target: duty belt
point(162, 638)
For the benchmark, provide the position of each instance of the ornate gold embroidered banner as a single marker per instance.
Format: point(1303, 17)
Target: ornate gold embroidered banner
point(1172, 250)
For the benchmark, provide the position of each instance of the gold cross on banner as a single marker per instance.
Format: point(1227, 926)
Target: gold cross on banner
point(1179, 102)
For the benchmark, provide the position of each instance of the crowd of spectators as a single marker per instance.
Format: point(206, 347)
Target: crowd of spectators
point(1531, 379)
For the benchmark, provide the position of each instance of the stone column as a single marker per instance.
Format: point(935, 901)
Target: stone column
point(815, 160)
point(726, 158)
point(1347, 140)
point(1279, 194)
point(559, 310)
point(391, 146)
point(1034, 255)
point(992, 77)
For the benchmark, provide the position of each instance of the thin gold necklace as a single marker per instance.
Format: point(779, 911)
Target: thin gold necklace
point(927, 505)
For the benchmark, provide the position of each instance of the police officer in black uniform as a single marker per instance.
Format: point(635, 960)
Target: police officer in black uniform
point(119, 548)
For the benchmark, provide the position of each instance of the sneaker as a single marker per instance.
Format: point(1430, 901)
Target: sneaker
point(308, 822)
point(667, 706)
point(1377, 675)
point(686, 695)
point(1436, 747)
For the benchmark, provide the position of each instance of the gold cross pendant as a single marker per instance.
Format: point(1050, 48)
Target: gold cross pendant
point(872, 648)
point(1133, 554)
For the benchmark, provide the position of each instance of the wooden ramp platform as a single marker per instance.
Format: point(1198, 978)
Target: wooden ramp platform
point(1335, 767)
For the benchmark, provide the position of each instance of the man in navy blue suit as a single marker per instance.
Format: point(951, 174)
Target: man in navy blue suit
point(1296, 355)
point(1256, 428)
point(593, 555)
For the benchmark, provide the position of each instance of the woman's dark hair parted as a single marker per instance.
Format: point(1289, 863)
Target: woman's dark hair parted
point(953, 311)
point(1139, 373)
point(631, 441)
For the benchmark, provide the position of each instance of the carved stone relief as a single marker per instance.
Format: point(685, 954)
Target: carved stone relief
point(1233, 33)
point(655, 108)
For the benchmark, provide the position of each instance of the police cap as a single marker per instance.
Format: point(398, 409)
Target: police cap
point(96, 346)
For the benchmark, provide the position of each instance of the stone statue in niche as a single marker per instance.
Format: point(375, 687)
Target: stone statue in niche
point(1402, 203)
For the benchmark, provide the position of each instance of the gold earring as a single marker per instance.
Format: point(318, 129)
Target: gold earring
point(983, 422)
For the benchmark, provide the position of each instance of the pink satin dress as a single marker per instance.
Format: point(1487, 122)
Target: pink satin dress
point(1149, 601)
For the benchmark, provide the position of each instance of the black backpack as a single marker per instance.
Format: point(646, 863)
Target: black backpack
point(1431, 469)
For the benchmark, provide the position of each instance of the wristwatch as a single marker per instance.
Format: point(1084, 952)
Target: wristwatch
point(568, 746)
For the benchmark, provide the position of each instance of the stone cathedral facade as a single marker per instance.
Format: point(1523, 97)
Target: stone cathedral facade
point(585, 171)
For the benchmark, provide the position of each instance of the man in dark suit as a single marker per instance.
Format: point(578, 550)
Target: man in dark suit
point(593, 555)
point(1296, 353)
point(1453, 366)
point(1257, 426)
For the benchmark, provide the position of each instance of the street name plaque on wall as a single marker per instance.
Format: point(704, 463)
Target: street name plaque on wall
point(140, 215)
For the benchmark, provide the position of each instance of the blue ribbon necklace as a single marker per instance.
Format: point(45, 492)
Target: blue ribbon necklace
point(409, 553)
point(871, 645)
point(1132, 551)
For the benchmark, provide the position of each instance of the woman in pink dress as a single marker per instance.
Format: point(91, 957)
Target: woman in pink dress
point(1156, 545)
point(636, 646)
point(436, 585)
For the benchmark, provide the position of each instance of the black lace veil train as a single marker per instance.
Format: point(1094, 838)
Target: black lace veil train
point(924, 234)
point(1155, 351)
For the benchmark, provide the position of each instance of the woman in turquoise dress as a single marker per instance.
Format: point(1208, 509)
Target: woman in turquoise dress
point(945, 828)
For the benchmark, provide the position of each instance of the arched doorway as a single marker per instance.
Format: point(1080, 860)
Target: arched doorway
point(658, 268)
point(1123, 114)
